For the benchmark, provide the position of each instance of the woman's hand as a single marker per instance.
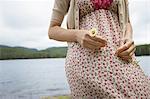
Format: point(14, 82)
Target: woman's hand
point(85, 40)
point(126, 50)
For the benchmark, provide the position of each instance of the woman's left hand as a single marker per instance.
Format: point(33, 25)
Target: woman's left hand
point(126, 51)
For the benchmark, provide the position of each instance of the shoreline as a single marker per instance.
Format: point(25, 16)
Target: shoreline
point(53, 58)
point(56, 97)
point(35, 97)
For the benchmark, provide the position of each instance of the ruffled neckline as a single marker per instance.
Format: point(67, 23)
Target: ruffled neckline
point(101, 4)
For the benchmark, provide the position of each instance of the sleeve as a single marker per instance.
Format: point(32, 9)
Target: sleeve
point(60, 9)
point(127, 10)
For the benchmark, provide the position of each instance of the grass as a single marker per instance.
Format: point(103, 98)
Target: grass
point(55, 97)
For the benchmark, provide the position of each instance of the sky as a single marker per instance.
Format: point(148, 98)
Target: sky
point(25, 23)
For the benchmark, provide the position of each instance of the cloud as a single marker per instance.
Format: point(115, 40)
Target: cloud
point(140, 19)
point(25, 14)
point(25, 23)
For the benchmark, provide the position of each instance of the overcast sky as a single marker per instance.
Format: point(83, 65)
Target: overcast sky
point(25, 22)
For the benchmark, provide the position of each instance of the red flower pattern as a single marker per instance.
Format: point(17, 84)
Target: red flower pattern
point(101, 3)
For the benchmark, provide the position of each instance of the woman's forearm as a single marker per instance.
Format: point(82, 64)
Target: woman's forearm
point(129, 32)
point(61, 34)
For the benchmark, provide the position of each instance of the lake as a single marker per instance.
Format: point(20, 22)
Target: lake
point(33, 78)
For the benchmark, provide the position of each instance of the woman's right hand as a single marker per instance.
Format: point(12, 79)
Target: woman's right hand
point(83, 37)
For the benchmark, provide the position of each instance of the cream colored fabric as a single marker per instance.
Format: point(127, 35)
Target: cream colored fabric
point(123, 14)
point(62, 7)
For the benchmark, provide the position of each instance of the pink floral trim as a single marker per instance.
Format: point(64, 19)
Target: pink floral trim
point(101, 3)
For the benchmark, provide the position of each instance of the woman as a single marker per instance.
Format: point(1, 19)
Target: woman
point(99, 66)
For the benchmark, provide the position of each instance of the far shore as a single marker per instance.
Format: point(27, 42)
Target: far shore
point(50, 58)
point(9, 53)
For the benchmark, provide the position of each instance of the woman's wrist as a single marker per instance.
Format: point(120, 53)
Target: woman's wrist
point(75, 34)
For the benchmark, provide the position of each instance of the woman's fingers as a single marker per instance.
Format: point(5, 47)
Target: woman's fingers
point(99, 39)
point(121, 49)
point(92, 42)
point(90, 46)
point(127, 51)
point(131, 50)
point(124, 47)
point(95, 43)
point(131, 54)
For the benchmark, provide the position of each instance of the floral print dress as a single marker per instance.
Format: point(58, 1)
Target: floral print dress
point(99, 74)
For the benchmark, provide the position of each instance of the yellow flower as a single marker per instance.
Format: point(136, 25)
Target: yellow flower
point(93, 32)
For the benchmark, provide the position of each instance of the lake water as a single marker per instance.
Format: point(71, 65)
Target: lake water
point(34, 78)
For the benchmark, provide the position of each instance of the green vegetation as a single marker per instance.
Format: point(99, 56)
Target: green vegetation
point(143, 50)
point(7, 52)
point(56, 97)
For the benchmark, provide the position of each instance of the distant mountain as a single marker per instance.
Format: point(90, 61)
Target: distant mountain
point(4, 46)
point(7, 52)
point(19, 47)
